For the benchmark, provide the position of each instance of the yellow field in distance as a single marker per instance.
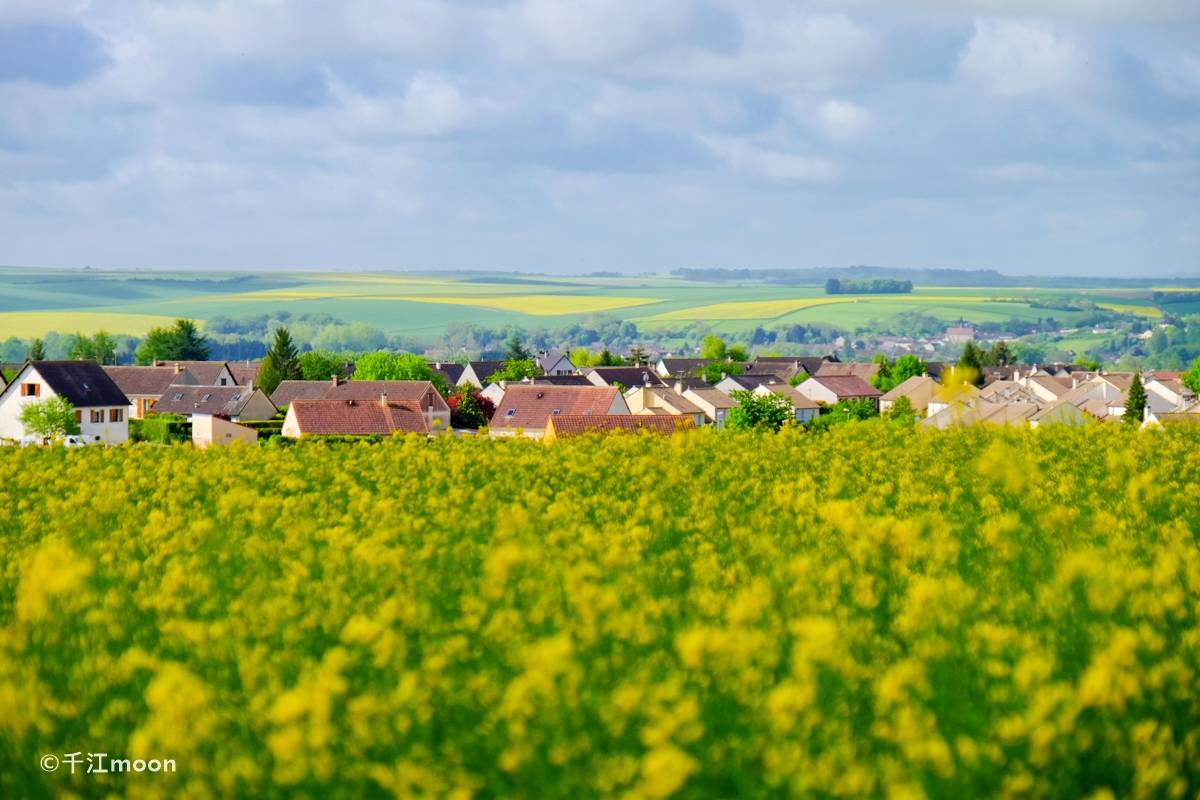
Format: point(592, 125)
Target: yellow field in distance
point(1122, 308)
point(769, 309)
point(539, 305)
point(27, 324)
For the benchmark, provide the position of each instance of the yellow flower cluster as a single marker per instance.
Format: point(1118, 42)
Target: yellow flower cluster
point(870, 611)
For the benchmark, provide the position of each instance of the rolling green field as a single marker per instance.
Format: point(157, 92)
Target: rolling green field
point(33, 302)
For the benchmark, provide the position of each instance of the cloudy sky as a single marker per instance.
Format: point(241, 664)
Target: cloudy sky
point(1033, 137)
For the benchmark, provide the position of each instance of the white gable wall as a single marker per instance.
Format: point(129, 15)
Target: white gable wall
point(106, 429)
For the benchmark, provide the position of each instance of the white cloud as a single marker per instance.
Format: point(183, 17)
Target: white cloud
point(430, 105)
point(1084, 10)
point(841, 119)
point(1011, 59)
point(774, 165)
point(593, 30)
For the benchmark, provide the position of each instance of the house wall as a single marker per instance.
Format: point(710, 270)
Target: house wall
point(11, 403)
point(815, 391)
point(208, 430)
point(258, 407)
point(291, 429)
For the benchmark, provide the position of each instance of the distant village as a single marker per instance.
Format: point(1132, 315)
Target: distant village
point(211, 402)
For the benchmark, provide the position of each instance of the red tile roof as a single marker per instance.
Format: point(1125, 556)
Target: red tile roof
point(357, 418)
point(530, 406)
point(403, 391)
point(576, 425)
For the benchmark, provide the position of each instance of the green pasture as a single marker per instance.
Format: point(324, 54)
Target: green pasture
point(33, 302)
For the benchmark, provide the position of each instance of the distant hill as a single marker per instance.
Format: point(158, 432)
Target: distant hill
point(922, 277)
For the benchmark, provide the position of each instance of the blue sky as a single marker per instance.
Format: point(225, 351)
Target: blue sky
point(1052, 137)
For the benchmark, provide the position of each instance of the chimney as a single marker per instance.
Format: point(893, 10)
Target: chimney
point(723, 376)
point(646, 380)
point(383, 399)
point(178, 368)
point(337, 381)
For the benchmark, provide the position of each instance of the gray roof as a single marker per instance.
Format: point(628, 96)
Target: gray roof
point(84, 383)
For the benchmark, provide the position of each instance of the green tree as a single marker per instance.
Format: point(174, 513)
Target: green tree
point(51, 418)
point(712, 347)
point(281, 363)
point(514, 370)
point(737, 352)
point(1159, 341)
point(971, 362)
point(181, 342)
point(396, 367)
point(1000, 355)
point(580, 357)
point(712, 372)
point(1135, 401)
point(902, 412)
point(609, 359)
point(765, 412)
point(1191, 378)
point(882, 379)
point(638, 355)
point(469, 408)
point(101, 348)
point(321, 365)
point(515, 350)
point(1026, 353)
point(842, 412)
point(37, 350)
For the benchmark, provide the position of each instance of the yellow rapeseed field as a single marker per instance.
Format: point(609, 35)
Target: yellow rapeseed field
point(871, 611)
point(29, 324)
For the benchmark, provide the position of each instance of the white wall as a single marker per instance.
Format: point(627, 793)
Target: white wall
point(11, 404)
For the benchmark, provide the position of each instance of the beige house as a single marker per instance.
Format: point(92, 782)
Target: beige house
point(209, 430)
point(662, 401)
point(919, 389)
point(715, 404)
point(526, 409)
point(232, 402)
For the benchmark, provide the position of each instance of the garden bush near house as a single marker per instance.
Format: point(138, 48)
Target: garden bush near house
point(876, 610)
point(161, 429)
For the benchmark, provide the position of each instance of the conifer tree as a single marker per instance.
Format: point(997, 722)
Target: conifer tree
point(1135, 402)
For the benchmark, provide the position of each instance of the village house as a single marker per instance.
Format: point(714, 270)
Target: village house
point(980, 412)
point(1165, 395)
point(451, 373)
point(662, 401)
point(356, 417)
point(715, 404)
point(495, 391)
point(200, 373)
point(788, 368)
point(919, 389)
point(747, 382)
point(213, 430)
point(423, 393)
point(525, 409)
point(562, 427)
point(101, 408)
point(834, 389)
point(680, 367)
point(477, 373)
point(804, 410)
point(555, 363)
point(289, 391)
point(235, 403)
point(144, 386)
point(838, 369)
point(625, 377)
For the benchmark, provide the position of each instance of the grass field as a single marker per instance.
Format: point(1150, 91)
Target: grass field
point(422, 305)
point(875, 611)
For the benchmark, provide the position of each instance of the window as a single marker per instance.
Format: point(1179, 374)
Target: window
point(205, 398)
point(511, 411)
point(31, 390)
point(116, 414)
point(78, 416)
point(178, 396)
point(236, 397)
point(223, 382)
point(554, 412)
point(97, 415)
